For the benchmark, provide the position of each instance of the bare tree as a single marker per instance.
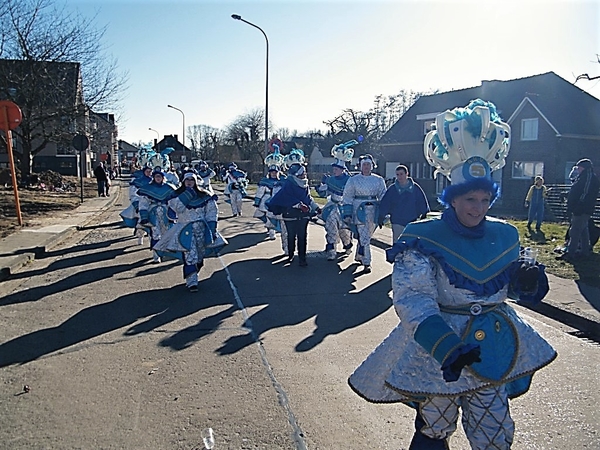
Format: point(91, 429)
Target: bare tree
point(54, 66)
point(585, 76)
point(245, 133)
point(205, 141)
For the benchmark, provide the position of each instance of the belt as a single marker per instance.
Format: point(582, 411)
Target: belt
point(474, 309)
point(365, 197)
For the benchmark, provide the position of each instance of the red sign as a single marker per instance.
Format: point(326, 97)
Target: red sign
point(10, 115)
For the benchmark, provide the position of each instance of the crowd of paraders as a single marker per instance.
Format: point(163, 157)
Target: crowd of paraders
point(459, 346)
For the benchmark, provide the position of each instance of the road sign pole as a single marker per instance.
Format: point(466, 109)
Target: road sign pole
point(6, 125)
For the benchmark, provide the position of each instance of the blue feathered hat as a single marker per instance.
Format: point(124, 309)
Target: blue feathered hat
point(466, 145)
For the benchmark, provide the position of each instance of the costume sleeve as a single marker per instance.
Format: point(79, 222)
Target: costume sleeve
point(349, 192)
point(144, 205)
point(382, 188)
point(211, 211)
point(415, 300)
point(176, 205)
point(260, 192)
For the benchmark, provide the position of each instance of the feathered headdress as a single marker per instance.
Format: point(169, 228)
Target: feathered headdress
point(296, 156)
point(274, 160)
point(343, 153)
point(466, 145)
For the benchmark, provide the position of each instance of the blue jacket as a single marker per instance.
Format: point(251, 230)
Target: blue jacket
point(404, 205)
point(289, 195)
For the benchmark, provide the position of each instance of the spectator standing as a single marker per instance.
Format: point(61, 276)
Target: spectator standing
point(536, 196)
point(404, 201)
point(581, 203)
point(101, 179)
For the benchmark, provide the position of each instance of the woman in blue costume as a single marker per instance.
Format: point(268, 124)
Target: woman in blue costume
point(154, 210)
point(332, 187)
point(195, 233)
point(459, 345)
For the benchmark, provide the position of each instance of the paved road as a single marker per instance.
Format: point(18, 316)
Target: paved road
point(117, 353)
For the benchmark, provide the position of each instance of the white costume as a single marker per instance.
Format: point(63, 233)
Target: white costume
point(362, 195)
point(236, 188)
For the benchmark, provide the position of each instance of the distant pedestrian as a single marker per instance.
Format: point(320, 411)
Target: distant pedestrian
point(404, 201)
point(536, 196)
point(236, 188)
point(101, 179)
point(581, 203)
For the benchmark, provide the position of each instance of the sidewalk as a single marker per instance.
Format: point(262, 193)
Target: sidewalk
point(568, 301)
point(16, 250)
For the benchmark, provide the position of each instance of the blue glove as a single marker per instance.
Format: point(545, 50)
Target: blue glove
point(458, 359)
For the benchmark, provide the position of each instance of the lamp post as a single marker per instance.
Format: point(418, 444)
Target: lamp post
point(157, 137)
point(183, 135)
point(238, 17)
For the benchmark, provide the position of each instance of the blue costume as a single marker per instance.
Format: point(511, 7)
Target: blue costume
point(459, 344)
point(266, 189)
point(332, 187)
point(195, 233)
point(154, 209)
point(131, 214)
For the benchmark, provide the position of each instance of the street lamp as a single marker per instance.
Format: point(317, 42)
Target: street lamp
point(183, 135)
point(238, 17)
point(157, 136)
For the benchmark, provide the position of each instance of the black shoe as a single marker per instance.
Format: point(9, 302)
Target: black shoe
point(193, 288)
point(303, 263)
point(367, 269)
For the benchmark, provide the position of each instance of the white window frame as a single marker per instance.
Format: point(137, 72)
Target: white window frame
point(529, 129)
point(527, 170)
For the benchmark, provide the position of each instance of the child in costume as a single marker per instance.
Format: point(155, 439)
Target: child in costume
point(332, 187)
point(458, 343)
point(195, 233)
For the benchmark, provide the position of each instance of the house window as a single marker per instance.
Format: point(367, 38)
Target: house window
point(527, 169)
point(529, 129)
point(63, 150)
point(427, 126)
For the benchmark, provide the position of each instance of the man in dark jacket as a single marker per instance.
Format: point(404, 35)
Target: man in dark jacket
point(581, 204)
point(102, 179)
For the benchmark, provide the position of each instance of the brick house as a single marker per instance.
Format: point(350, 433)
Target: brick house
point(553, 124)
point(50, 96)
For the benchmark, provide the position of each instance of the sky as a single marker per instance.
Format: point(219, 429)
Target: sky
point(327, 56)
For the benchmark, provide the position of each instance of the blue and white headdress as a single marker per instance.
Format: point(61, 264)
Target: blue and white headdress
point(275, 160)
point(296, 156)
point(149, 157)
point(343, 153)
point(467, 145)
